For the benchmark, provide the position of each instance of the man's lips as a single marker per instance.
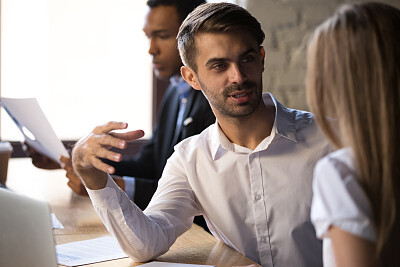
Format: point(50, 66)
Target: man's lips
point(238, 95)
point(241, 96)
point(157, 65)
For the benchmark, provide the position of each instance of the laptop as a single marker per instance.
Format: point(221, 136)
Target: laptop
point(26, 234)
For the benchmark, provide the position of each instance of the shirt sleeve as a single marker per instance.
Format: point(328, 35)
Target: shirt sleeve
point(144, 235)
point(339, 200)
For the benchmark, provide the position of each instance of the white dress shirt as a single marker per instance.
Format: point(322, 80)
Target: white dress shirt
point(256, 201)
point(339, 200)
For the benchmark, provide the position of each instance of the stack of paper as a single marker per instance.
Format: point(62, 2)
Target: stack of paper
point(89, 251)
point(31, 121)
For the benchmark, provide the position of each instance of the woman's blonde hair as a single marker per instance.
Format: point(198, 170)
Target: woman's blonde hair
point(353, 87)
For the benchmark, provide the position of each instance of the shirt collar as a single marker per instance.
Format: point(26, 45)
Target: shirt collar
point(181, 85)
point(284, 120)
point(284, 125)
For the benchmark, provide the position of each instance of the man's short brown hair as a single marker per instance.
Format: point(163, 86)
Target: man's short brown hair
point(214, 18)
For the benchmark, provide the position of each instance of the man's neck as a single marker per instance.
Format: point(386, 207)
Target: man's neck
point(250, 131)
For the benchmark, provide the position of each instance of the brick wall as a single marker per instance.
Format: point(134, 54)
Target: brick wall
point(287, 25)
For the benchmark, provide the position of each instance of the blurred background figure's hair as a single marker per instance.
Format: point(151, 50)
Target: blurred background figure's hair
point(183, 7)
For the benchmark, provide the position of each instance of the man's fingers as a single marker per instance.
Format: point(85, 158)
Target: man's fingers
point(65, 160)
point(43, 162)
point(98, 164)
point(96, 145)
point(100, 152)
point(78, 188)
point(129, 136)
point(110, 126)
point(66, 163)
point(72, 176)
point(106, 140)
point(75, 183)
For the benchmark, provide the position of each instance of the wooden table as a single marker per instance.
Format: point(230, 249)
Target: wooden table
point(81, 221)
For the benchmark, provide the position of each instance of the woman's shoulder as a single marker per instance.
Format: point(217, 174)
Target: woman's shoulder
point(338, 164)
point(339, 198)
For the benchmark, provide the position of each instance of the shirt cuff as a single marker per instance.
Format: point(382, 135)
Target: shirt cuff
point(103, 197)
point(130, 186)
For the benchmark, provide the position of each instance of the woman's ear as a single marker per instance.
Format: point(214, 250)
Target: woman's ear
point(190, 77)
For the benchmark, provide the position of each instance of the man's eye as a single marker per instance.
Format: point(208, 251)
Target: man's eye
point(247, 59)
point(218, 66)
point(164, 37)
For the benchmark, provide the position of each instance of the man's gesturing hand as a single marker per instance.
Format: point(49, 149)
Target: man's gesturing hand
point(88, 150)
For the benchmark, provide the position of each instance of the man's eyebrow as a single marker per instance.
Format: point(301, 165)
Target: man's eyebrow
point(215, 59)
point(221, 59)
point(248, 51)
point(156, 32)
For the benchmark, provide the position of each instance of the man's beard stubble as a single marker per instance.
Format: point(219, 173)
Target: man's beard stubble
point(218, 101)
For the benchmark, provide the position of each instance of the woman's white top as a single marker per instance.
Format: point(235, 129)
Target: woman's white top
point(339, 200)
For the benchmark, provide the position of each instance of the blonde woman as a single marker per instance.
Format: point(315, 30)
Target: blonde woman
point(353, 83)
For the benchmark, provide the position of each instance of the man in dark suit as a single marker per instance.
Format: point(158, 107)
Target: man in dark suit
point(184, 112)
point(147, 167)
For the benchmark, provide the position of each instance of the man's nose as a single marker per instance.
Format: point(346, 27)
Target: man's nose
point(153, 47)
point(236, 74)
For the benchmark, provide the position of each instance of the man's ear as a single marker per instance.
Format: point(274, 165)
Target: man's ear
point(190, 77)
point(262, 55)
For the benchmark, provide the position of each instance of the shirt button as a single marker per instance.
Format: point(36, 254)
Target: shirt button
point(263, 239)
point(257, 197)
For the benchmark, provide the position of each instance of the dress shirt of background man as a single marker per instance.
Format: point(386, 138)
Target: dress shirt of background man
point(249, 174)
point(184, 112)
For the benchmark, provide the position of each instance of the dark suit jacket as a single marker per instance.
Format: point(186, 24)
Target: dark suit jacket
point(148, 165)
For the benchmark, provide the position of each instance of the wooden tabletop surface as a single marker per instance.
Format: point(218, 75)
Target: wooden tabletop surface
point(81, 222)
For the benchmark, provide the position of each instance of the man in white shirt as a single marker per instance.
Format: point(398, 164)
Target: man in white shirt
point(249, 174)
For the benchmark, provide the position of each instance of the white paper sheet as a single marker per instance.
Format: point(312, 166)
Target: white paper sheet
point(33, 124)
point(171, 264)
point(89, 251)
point(55, 222)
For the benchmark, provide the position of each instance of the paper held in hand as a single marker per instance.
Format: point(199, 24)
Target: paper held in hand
point(31, 121)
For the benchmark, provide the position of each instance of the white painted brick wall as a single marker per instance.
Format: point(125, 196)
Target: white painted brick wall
point(287, 25)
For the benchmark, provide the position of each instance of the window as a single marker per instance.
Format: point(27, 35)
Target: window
point(85, 61)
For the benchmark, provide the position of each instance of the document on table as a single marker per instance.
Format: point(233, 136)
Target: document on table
point(31, 121)
point(89, 251)
point(55, 222)
point(171, 264)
